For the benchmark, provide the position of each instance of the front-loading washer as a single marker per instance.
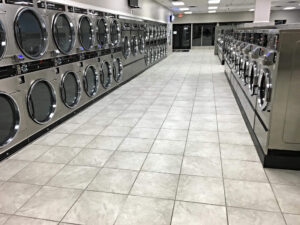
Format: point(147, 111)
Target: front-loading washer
point(105, 66)
point(27, 37)
point(85, 30)
point(62, 26)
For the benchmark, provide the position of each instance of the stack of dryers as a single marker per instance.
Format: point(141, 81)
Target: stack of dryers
point(147, 54)
point(266, 82)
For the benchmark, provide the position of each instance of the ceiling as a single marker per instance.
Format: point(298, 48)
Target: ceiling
point(201, 6)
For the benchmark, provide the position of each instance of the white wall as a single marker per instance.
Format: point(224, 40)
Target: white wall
point(291, 17)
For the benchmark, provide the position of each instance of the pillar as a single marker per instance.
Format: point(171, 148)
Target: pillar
point(262, 11)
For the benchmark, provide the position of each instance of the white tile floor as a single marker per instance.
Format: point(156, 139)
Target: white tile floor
point(169, 147)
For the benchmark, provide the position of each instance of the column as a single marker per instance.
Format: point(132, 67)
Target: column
point(262, 11)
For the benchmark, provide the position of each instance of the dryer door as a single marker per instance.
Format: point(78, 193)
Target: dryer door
point(91, 81)
point(41, 101)
point(9, 119)
point(70, 89)
point(253, 78)
point(2, 40)
point(86, 32)
point(264, 89)
point(102, 32)
point(118, 70)
point(115, 33)
point(126, 47)
point(106, 74)
point(141, 44)
point(63, 33)
point(31, 33)
point(134, 45)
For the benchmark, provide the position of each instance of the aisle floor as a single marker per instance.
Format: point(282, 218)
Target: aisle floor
point(169, 147)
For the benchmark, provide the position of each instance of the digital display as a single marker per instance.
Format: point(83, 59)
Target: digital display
point(133, 3)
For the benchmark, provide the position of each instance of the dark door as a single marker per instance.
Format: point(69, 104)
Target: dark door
point(208, 35)
point(182, 36)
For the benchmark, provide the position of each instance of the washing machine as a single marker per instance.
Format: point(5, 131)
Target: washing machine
point(27, 37)
point(102, 30)
point(63, 38)
point(126, 44)
point(85, 30)
point(141, 39)
point(105, 67)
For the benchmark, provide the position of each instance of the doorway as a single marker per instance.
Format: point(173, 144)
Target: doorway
point(204, 34)
point(182, 36)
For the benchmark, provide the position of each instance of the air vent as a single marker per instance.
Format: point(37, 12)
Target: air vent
point(192, 6)
point(292, 2)
point(277, 6)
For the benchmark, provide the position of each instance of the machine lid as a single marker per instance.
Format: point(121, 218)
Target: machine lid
point(115, 33)
point(102, 32)
point(86, 32)
point(70, 89)
point(106, 74)
point(2, 40)
point(264, 89)
point(31, 33)
point(41, 101)
point(63, 33)
point(91, 81)
point(118, 70)
point(126, 50)
point(9, 119)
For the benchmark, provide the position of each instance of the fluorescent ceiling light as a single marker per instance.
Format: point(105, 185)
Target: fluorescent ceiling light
point(184, 9)
point(178, 3)
point(189, 12)
point(289, 8)
point(212, 7)
point(212, 11)
point(251, 10)
point(213, 1)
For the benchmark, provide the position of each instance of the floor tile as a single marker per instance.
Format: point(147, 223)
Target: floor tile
point(201, 166)
point(202, 149)
point(15, 220)
point(77, 177)
point(168, 147)
point(37, 173)
point(126, 160)
point(116, 131)
point(236, 138)
point(125, 122)
point(136, 145)
point(31, 152)
point(139, 132)
point(239, 152)
point(203, 136)
point(251, 195)
point(203, 125)
point(163, 163)
point(244, 170)
point(186, 213)
point(114, 180)
point(50, 203)
point(175, 124)
point(238, 216)
point(232, 127)
point(92, 157)
point(201, 189)
point(288, 198)
point(14, 195)
point(3, 218)
point(277, 176)
point(76, 140)
point(150, 123)
point(59, 154)
point(66, 128)
point(157, 185)
point(89, 129)
point(50, 139)
point(172, 134)
point(9, 168)
point(292, 219)
point(146, 211)
point(105, 143)
point(96, 208)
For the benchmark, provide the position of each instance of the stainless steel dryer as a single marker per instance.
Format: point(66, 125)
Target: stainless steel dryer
point(85, 30)
point(102, 29)
point(105, 66)
point(134, 37)
point(28, 35)
point(3, 35)
point(61, 19)
point(126, 45)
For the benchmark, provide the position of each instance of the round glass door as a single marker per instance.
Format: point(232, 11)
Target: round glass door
point(91, 81)
point(86, 32)
point(141, 44)
point(106, 73)
point(134, 45)
point(2, 40)
point(31, 33)
point(70, 89)
point(264, 89)
point(118, 70)
point(126, 47)
point(9, 119)
point(41, 101)
point(63, 33)
point(115, 33)
point(252, 78)
point(147, 57)
point(102, 32)
point(151, 55)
